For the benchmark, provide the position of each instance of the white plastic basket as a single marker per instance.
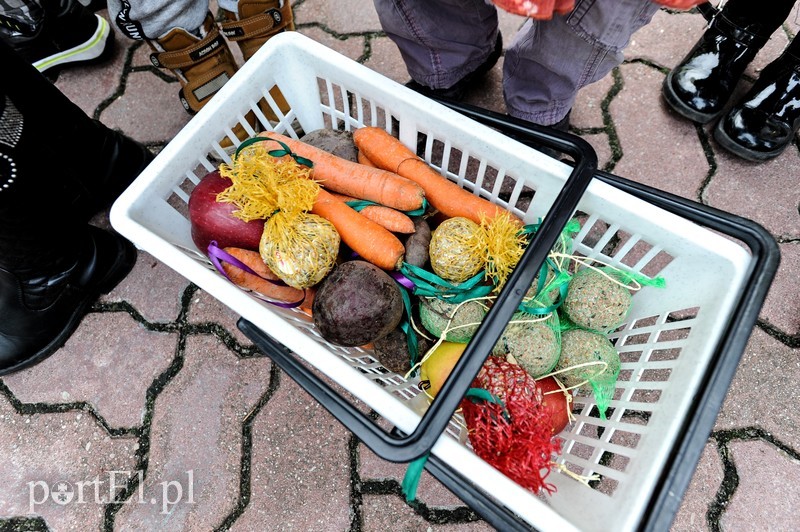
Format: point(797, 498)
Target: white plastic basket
point(672, 335)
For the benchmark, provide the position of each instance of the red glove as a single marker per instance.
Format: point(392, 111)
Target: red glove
point(538, 9)
point(544, 9)
point(680, 4)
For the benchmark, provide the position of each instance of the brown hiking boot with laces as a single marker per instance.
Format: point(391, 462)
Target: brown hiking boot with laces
point(255, 22)
point(203, 64)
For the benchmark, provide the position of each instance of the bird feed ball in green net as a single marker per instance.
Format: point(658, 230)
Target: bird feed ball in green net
point(585, 355)
point(590, 362)
point(457, 249)
point(534, 342)
point(597, 300)
point(455, 322)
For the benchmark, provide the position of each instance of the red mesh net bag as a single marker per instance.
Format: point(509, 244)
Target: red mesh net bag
point(537, 9)
point(508, 427)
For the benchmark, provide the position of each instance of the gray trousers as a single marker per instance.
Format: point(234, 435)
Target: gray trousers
point(544, 66)
point(153, 18)
point(138, 19)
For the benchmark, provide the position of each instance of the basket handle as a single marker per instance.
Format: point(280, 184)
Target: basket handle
point(405, 448)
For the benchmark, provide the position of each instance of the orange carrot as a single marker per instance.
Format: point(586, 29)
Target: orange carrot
point(362, 159)
point(387, 152)
point(357, 180)
point(243, 279)
point(372, 242)
point(393, 220)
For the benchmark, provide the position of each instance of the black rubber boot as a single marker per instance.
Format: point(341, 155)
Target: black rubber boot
point(57, 168)
point(700, 86)
point(764, 123)
point(41, 312)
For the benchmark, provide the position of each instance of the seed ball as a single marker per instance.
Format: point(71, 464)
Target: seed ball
point(580, 347)
point(543, 299)
point(436, 315)
point(596, 302)
point(534, 344)
point(456, 249)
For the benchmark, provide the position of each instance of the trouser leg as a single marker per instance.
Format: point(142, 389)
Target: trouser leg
point(150, 19)
point(440, 41)
point(66, 166)
point(549, 61)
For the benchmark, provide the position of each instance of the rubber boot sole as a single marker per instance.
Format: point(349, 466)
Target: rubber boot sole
point(749, 155)
point(121, 267)
point(98, 48)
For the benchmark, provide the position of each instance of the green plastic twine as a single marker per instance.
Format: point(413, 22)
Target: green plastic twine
point(275, 153)
point(413, 476)
point(414, 471)
point(359, 205)
point(428, 284)
point(405, 326)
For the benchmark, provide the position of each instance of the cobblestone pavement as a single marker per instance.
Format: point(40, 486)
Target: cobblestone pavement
point(159, 392)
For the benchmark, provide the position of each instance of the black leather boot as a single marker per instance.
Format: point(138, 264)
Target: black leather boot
point(40, 313)
point(764, 123)
point(700, 86)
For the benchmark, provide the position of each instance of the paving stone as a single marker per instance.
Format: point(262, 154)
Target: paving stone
point(153, 288)
point(58, 466)
point(430, 491)
point(667, 39)
point(154, 103)
point(196, 440)
point(90, 85)
point(351, 47)
point(300, 475)
point(677, 165)
point(767, 193)
point(702, 490)
point(782, 306)
point(344, 16)
point(602, 148)
point(108, 363)
point(389, 512)
point(587, 111)
point(205, 308)
point(767, 492)
point(764, 392)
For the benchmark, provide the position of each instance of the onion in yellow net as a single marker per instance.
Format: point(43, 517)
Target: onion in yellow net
point(301, 248)
point(457, 249)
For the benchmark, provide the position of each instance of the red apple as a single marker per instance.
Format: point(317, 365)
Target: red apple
point(212, 220)
point(555, 404)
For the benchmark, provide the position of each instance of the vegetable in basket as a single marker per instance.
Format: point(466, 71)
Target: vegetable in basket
point(357, 180)
point(508, 426)
point(214, 220)
point(387, 152)
point(356, 304)
point(300, 247)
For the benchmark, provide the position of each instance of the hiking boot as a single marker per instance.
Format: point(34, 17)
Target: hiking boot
point(40, 312)
point(254, 23)
point(65, 35)
point(765, 121)
point(203, 64)
point(459, 89)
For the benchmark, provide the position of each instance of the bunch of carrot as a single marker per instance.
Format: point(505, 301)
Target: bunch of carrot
point(392, 177)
